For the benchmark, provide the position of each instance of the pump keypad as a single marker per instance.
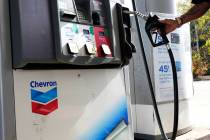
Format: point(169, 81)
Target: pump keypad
point(80, 35)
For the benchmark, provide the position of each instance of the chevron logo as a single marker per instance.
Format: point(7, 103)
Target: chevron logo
point(44, 103)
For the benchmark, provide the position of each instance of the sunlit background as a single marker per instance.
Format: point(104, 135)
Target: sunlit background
point(200, 42)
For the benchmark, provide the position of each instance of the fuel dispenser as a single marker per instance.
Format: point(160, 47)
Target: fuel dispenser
point(156, 64)
point(68, 56)
point(69, 33)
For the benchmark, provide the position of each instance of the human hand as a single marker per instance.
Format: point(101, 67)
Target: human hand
point(170, 25)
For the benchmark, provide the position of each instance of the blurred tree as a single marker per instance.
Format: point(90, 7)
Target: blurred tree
point(183, 6)
point(200, 36)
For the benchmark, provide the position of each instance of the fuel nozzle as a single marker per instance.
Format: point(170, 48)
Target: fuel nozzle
point(154, 28)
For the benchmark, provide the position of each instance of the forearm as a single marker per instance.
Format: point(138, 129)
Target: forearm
point(195, 12)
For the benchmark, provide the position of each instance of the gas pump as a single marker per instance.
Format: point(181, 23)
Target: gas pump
point(155, 31)
point(156, 65)
point(68, 58)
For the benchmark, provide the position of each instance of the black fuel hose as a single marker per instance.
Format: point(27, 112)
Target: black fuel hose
point(175, 84)
point(176, 94)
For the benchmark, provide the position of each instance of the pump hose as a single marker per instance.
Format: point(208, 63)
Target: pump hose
point(175, 84)
point(176, 94)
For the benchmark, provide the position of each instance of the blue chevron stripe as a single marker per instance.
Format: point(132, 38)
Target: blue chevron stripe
point(44, 97)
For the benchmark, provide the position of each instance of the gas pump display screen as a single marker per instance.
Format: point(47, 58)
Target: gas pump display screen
point(86, 32)
point(102, 34)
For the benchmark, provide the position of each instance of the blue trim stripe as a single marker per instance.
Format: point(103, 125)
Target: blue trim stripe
point(109, 121)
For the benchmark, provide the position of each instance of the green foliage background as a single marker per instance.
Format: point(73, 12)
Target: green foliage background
point(200, 35)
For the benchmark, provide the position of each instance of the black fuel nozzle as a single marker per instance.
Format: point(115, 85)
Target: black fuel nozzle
point(154, 28)
point(156, 31)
